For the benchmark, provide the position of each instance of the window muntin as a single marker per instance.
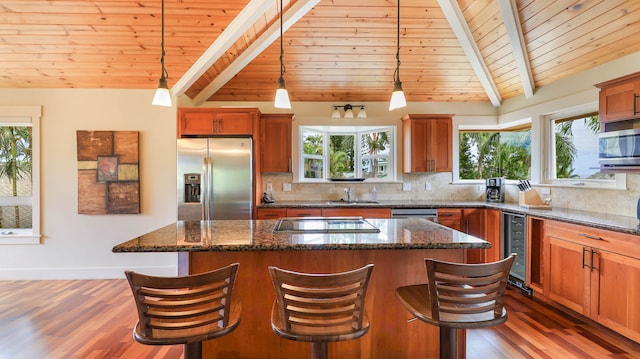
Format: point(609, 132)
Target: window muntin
point(503, 153)
point(346, 152)
point(574, 145)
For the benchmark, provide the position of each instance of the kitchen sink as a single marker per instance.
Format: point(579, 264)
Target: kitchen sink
point(342, 202)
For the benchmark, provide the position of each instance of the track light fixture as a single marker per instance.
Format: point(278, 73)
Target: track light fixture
point(397, 96)
point(348, 111)
point(282, 96)
point(162, 96)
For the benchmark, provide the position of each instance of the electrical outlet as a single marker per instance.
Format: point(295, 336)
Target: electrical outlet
point(269, 187)
point(481, 188)
point(545, 191)
point(286, 187)
point(406, 187)
point(427, 186)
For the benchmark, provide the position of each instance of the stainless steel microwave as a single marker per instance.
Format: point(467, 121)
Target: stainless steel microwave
point(619, 148)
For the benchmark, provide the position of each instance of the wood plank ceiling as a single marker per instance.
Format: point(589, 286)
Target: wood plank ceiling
point(334, 50)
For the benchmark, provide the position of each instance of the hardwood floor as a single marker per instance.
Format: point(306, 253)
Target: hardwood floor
point(95, 318)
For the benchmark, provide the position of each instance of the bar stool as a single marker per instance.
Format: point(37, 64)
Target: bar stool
point(185, 310)
point(320, 308)
point(459, 296)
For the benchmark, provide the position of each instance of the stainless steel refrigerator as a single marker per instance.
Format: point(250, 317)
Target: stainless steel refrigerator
point(215, 178)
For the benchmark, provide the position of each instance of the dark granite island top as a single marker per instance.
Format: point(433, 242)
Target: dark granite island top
point(257, 235)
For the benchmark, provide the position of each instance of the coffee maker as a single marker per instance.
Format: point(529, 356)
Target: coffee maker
point(495, 189)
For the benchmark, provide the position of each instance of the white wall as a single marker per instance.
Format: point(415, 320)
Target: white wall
point(79, 246)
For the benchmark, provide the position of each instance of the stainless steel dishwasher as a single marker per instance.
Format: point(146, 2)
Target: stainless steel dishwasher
point(430, 214)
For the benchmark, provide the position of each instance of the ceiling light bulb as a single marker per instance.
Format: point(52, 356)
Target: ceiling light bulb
point(362, 113)
point(162, 96)
point(397, 97)
point(282, 96)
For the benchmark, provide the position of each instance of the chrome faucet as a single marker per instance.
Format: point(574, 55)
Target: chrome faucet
point(349, 193)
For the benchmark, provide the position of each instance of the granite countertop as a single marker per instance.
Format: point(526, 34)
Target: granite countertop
point(257, 235)
point(608, 221)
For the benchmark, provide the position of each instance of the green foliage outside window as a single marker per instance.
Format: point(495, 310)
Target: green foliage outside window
point(16, 168)
point(485, 154)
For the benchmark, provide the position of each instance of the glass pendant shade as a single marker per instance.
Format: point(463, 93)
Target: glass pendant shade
point(348, 111)
point(397, 97)
point(335, 113)
point(282, 96)
point(362, 113)
point(162, 96)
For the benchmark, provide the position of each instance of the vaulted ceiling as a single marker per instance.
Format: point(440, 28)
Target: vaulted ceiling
point(334, 50)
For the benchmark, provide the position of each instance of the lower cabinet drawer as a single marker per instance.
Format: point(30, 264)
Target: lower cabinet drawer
point(304, 212)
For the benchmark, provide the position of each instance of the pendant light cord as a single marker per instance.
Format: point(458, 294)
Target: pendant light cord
point(282, 68)
point(165, 74)
point(396, 74)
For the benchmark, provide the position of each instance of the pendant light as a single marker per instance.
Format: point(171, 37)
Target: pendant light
point(282, 96)
point(397, 96)
point(162, 96)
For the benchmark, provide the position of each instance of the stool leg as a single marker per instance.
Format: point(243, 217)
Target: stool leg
point(448, 343)
point(193, 350)
point(319, 350)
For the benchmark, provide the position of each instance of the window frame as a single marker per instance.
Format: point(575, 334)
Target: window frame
point(548, 138)
point(511, 126)
point(26, 116)
point(357, 132)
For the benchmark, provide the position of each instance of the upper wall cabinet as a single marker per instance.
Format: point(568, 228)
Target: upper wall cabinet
point(427, 143)
point(275, 142)
point(216, 121)
point(619, 98)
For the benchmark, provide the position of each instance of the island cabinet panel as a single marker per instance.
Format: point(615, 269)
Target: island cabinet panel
point(619, 98)
point(478, 222)
point(596, 273)
point(390, 335)
point(275, 142)
point(427, 143)
point(216, 121)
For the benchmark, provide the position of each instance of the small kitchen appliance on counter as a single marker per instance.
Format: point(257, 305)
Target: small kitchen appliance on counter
point(495, 189)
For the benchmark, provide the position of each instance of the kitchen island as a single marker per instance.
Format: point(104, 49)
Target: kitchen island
point(397, 250)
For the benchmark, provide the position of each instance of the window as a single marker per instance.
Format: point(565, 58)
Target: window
point(19, 175)
point(574, 142)
point(503, 153)
point(346, 153)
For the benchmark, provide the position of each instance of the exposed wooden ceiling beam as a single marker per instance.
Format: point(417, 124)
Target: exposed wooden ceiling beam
point(237, 27)
point(459, 25)
point(511, 20)
point(290, 17)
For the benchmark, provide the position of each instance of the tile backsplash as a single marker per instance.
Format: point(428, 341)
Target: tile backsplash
point(621, 202)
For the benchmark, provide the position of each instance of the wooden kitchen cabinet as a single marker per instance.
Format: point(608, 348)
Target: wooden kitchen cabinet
point(270, 213)
point(304, 212)
point(450, 217)
point(216, 121)
point(357, 212)
point(535, 254)
point(275, 142)
point(619, 98)
point(596, 273)
point(427, 143)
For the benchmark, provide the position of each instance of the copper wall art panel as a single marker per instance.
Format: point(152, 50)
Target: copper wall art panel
point(108, 172)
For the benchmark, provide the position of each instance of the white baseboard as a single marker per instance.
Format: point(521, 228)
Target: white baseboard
point(81, 273)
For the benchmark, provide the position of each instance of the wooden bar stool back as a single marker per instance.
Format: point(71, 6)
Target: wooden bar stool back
point(185, 310)
point(459, 296)
point(320, 308)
